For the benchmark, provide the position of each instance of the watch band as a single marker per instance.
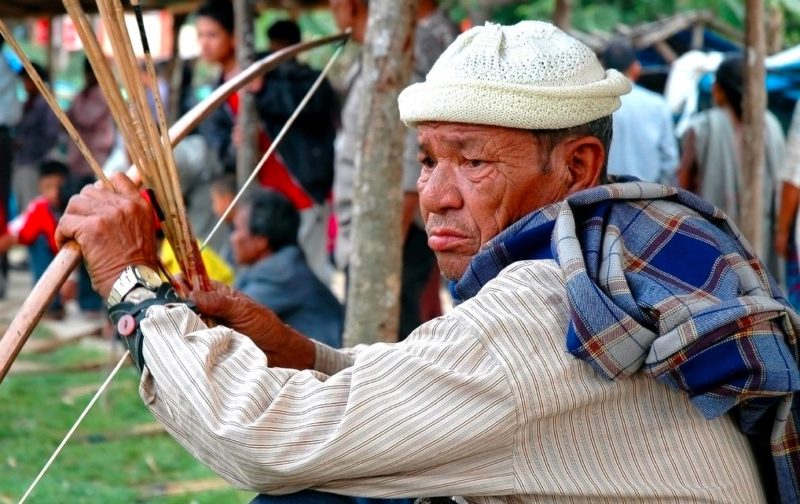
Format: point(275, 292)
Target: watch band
point(127, 317)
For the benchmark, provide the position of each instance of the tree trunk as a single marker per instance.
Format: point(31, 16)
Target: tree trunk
point(375, 262)
point(562, 16)
point(247, 119)
point(755, 101)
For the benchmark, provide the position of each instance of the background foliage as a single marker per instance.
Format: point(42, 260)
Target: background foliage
point(604, 15)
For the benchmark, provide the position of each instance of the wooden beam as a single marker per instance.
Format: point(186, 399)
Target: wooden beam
point(651, 33)
point(726, 30)
point(665, 51)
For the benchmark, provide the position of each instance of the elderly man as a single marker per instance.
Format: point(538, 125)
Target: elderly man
point(602, 335)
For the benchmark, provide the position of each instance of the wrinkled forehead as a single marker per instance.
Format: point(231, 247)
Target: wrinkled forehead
point(463, 136)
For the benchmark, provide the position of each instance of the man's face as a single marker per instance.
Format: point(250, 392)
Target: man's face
point(475, 182)
point(246, 247)
point(50, 188)
point(216, 44)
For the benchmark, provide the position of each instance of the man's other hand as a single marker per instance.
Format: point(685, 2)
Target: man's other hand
point(114, 229)
point(284, 346)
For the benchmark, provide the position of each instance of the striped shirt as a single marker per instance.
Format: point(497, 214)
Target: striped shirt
point(482, 403)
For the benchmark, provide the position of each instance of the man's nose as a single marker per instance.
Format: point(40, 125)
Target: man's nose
point(438, 190)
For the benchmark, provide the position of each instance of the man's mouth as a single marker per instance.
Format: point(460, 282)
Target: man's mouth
point(445, 239)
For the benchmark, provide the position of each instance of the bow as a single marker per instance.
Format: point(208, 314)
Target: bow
point(69, 256)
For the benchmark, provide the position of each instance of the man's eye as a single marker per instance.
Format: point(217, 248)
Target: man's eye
point(427, 162)
point(476, 163)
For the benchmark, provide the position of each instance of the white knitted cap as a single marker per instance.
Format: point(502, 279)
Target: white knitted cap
point(528, 76)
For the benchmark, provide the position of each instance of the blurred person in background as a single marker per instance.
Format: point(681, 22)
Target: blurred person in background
point(10, 114)
point(223, 191)
point(215, 31)
point(643, 144)
point(35, 226)
point(274, 272)
point(308, 147)
point(92, 118)
point(35, 138)
point(711, 165)
point(786, 234)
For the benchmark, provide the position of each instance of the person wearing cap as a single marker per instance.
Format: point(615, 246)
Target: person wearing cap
point(643, 144)
point(711, 164)
point(603, 331)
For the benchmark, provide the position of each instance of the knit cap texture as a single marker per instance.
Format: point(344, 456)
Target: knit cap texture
point(529, 76)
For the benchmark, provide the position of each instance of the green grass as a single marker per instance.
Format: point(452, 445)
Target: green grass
point(34, 417)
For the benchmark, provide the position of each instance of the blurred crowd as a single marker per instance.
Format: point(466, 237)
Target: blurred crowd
point(282, 244)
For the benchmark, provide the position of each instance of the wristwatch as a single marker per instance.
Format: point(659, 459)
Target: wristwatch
point(134, 278)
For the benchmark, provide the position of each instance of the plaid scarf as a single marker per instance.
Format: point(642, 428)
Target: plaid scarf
point(659, 281)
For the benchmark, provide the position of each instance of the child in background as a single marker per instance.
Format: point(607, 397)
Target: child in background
point(35, 227)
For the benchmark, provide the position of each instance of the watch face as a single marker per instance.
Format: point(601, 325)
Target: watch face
point(149, 277)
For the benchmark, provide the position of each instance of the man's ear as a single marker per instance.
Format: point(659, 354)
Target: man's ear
point(584, 158)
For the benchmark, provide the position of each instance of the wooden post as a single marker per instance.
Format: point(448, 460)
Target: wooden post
point(247, 120)
point(755, 101)
point(562, 15)
point(374, 284)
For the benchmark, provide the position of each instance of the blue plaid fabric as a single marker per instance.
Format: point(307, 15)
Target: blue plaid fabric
point(660, 282)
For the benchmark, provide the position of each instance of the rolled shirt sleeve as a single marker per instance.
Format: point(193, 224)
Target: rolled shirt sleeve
point(432, 416)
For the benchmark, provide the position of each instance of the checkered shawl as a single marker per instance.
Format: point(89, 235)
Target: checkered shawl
point(659, 281)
